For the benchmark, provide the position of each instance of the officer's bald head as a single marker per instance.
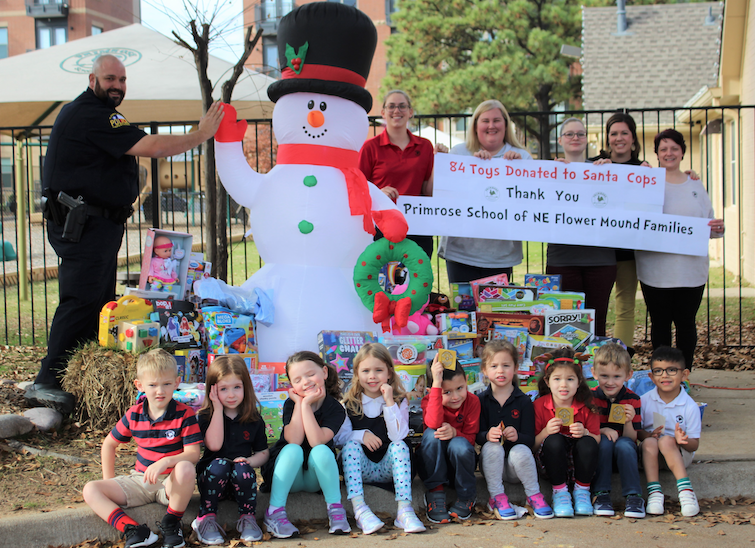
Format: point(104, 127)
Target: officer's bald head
point(108, 78)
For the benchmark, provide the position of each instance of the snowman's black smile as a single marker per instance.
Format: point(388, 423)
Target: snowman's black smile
point(312, 135)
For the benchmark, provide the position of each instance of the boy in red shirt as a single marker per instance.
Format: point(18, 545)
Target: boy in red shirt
point(452, 420)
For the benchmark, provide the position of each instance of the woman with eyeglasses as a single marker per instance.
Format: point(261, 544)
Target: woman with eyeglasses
point(397, 161)
point(673, 284)
point(491, 136)
point(588, 269)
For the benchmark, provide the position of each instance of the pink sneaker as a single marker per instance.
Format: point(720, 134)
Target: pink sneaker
point(500, 506)
point(539, 506)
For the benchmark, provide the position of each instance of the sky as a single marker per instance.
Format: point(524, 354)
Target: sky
point(165, 16)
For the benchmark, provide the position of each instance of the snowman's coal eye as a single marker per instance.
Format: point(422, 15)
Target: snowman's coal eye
point(323, 106)
point(311, 105)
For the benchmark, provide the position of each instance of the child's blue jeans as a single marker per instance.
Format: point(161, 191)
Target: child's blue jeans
point(624, 454)
point(448, 462)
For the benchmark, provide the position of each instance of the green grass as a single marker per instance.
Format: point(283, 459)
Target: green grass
point(244, 261)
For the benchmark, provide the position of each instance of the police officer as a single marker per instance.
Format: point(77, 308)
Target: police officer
point(92, 153)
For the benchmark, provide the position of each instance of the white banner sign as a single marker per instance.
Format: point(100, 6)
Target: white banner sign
point(612, 205)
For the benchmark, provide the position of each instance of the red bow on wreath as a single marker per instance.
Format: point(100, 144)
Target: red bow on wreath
point(384, 308)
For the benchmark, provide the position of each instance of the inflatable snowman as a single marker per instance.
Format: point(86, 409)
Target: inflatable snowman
point(314, 213)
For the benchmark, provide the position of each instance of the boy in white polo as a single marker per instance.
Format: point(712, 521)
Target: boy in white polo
point(672, 444)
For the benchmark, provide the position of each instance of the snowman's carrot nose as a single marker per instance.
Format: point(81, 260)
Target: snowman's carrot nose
point(315, 118)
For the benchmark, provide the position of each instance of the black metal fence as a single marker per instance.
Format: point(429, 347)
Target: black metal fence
point(718, 150)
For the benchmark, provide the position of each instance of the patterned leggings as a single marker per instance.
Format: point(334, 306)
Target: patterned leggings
point(395, 464)
point(214, 486)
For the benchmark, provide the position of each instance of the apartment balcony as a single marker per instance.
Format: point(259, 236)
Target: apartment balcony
point(46, 9)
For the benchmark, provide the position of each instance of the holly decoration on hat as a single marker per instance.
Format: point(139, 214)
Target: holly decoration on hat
point(296, 58)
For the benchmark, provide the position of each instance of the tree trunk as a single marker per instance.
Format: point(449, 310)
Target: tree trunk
point(543, 105)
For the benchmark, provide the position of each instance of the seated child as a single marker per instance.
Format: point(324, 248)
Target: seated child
point(678, 438)
point(562, 385)
point(447, 454)
point(235, 444)
point(507, 433)
point(612, 366)
point(168, 444)
point(304, 458)
point(373, 437)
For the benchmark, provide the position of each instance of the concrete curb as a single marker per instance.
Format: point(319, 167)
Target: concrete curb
point(68, 527)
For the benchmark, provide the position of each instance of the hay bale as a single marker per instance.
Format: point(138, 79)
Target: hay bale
point(102, 380)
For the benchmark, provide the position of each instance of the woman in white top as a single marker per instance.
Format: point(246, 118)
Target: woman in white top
point(673, 284)
point(491, 136)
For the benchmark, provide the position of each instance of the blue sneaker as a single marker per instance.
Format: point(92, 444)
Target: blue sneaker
point(562, 504)
point(582, 504)
point(500, 506)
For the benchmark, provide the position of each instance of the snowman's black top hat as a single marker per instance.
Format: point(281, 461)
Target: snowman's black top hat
point(325, 47)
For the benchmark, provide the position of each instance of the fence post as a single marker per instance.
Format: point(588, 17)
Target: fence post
point(156, 195)
point(21, 209)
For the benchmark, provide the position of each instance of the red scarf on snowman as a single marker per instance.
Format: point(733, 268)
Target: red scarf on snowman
point(390, 221)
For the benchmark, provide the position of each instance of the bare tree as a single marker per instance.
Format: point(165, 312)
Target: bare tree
point(204, 28)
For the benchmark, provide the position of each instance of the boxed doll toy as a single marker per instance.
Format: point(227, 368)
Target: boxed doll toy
point(574, 326)
point(180, 324)
point(544, 283)
point(338, 349)
point(457, 325)
point(227, 331)
point(164, 263)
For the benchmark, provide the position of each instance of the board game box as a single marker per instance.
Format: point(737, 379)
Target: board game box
point(574, 326)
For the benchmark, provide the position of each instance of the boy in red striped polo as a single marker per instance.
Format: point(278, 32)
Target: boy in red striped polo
point(168, 441)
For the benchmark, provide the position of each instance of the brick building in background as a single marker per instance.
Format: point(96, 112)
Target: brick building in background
point(267, 14)
point(26, 25)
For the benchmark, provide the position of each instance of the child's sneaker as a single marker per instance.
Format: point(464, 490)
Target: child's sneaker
point(366, 520)
point(247, 526)
point(461, 509)
point(635, 507)
point(539, 507)
point(173, 534)
point(436, 507)
point(339, 525)
point(562, 504)
point(603, 505)
point(208, 531)
point(277, 524)
point(688, 500)
point(138, 535)
point(408, 521)
point(500, 506)
point(582, 504)
point(655, 504)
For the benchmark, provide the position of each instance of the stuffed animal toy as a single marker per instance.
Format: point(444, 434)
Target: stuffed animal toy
point(419, 323)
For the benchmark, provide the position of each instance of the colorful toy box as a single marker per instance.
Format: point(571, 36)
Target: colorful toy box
point(192, 364)
point(175, 266)
point(190, 394)
point(496, 280)
point(461, 297)
point(338, 349)
point(198, 268)
point(526, 307)
point(542, 344)
point(472, 370)
point(575, 326)
point(498, 293)
point(464, 348)
point(137, 335)
point(271, 409)
point(534, 324)
point(125, 309)
point(562, 300)
point(228, 332)
point(180, 324)
point(457, 325)
point(543, 282)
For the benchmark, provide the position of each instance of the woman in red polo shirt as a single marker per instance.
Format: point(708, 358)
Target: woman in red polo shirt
point(397, 161)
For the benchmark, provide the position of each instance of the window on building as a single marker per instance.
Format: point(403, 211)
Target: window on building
point(352, 3)
point(270, 56)
point(51, 32)
point(3, 43)
point(390, 8)
point(96, 30)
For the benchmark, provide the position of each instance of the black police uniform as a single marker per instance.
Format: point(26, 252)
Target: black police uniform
point(86, 157)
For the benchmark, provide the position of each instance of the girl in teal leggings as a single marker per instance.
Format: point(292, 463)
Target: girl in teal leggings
point(304, 458)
